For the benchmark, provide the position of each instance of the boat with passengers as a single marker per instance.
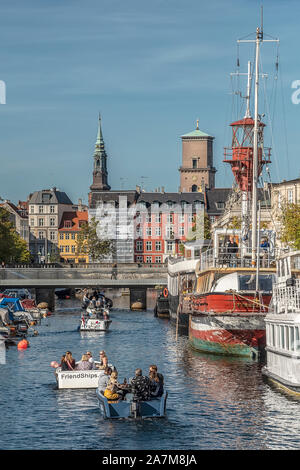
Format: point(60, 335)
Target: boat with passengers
point(283, 325)
point(79, 379)
point(127, 408)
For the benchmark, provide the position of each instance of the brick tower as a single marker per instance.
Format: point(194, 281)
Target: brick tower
point(197, 170)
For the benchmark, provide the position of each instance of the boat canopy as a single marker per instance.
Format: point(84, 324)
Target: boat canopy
point(12, 302)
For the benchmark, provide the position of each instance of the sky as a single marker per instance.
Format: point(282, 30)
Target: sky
point(151, 69)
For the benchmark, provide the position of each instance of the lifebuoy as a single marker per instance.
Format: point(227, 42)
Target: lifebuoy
point(165, 292)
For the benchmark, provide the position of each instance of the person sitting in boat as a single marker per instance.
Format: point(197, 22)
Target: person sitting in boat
point(70, 361)
point(85, 299)
point(121, 389)
point(140, 386)
point(111, 394)
point(92, 303)
point(91, 359)
point(157, 382)
point(63, 364)
point(104, 379)
point(103, 360)
point(84, 364)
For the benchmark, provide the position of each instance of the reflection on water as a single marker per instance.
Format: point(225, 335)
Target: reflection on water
point(214, 402)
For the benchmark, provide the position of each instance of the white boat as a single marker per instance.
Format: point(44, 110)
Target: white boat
point(283, 325)
point(78, 378)
point(95, 319)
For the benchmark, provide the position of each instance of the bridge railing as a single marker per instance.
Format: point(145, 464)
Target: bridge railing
point(120, 266)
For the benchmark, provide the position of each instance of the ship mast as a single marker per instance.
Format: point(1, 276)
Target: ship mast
point(259, 39)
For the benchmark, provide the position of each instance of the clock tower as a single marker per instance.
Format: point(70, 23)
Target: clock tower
point(197, 171)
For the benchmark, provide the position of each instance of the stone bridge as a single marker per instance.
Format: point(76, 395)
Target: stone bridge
point(45, 278)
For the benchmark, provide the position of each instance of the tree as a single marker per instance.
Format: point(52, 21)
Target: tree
point(290, 225)
point(12, 247)
point(88, 241)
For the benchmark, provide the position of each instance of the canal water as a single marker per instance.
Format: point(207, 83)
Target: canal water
point(214, 402)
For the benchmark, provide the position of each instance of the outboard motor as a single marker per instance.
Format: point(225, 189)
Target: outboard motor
point(135, 409)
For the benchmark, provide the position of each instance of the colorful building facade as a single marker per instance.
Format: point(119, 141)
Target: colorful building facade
point(70, 226)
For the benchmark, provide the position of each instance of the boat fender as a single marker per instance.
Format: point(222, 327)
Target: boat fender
point(165, 292)
point(23, 344)
point(54, 364)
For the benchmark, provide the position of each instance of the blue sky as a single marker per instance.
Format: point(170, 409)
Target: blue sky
point(151, 69)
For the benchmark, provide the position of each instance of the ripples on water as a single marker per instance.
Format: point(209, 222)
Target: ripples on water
point(213, 403)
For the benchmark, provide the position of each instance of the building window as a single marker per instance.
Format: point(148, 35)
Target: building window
point(68, 224)
point(31, 209)
point(61, 249)
point(139, 259)
point(67, 236)
point(41, 222)
point(148, 231)
point(148, 218)
point(194, 162)
point(52, 235)
point(41, 235)
point(169, 232)
point(31, 222)
point(52, 221)
point(41, 209)
point(194, 188)
point(158, 231)
point(67, 249)
point(181, 231)
point(139, 245)
point(170, 218)
point(73, 236)
point(158, 218)
point(290, 195)
point(148, 259)
point(157, 246)
point(158, 259)
point(73, 248)
point(61, 236)
point(170, 246)
point(220, 205)
point(149, 246)
point(52, 209)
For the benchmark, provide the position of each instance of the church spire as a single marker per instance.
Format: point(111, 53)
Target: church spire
point(100, 166)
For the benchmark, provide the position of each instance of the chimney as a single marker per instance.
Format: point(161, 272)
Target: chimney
point(80, 205)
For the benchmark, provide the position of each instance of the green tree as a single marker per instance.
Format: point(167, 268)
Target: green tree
point(88, 241)
point(12, 247)
point(290, 225)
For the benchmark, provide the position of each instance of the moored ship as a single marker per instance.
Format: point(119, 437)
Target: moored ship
point(283, 325)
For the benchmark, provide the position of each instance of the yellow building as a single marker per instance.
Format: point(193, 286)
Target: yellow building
point(67, 236)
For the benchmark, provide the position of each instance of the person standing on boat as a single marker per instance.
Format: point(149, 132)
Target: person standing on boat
point(140, 386)
point(265, 247)
point(232, 251)
point(85, 299)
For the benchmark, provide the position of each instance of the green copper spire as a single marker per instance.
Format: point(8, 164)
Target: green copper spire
point(100, 166)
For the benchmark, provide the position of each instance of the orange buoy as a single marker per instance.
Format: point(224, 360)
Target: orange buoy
point(23, 344)
point(165, 292)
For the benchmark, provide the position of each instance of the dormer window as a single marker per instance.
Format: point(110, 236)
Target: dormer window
point(68, 224)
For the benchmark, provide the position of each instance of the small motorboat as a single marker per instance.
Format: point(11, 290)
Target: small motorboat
point(14, 316)
point(155, 408)
point(95, 320)
point(78, 378)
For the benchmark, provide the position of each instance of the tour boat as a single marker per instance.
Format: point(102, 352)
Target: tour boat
point(283, 325)
point(78, 378)
point(155, 408)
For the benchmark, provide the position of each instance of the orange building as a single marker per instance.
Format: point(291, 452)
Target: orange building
point(67, 236)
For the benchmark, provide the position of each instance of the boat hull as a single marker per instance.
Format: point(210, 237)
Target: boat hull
point(94, 325)
point(231, 335)
point(155, 408)
point(181, 316)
